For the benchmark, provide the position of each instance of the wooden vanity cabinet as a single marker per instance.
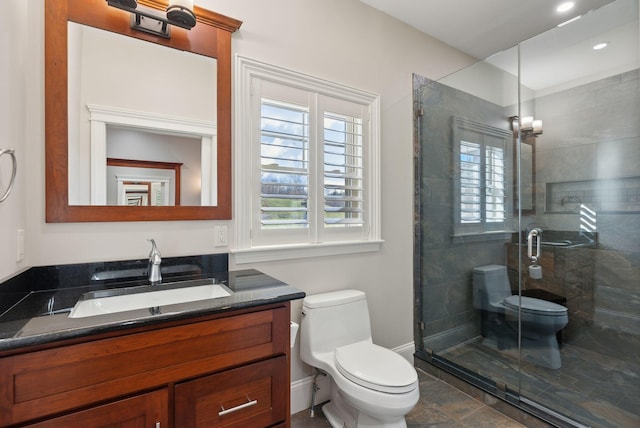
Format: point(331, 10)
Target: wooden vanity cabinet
point(227, 370)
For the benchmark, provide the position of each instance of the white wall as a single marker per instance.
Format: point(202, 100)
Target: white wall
point(13, 116)
point(339, 40)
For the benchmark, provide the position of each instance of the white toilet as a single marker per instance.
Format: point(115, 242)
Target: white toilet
point(540, 320)
point(371, 386)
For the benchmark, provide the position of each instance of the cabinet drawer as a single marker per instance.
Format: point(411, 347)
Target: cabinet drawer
point(56, 380)
point(142, 411)
point(254, 395)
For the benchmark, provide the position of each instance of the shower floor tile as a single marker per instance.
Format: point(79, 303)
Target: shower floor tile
point(592, 388)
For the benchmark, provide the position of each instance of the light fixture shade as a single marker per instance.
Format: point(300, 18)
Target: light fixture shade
point(181, 13)
point(130, 4)
point(527, 123)
point(537, 126)
point(188, 4)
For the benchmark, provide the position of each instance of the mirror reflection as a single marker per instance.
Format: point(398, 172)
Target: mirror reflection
point(129, 100)
point(527, 176)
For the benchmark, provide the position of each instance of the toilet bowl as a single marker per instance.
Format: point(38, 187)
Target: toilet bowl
point(500, 310)
point(371, 386)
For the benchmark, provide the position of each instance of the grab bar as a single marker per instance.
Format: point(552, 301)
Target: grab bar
point(11, 153)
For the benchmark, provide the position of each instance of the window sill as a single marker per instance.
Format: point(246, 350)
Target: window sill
point(298, 251)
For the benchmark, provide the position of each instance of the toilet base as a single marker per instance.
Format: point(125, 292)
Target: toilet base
point(334, 418)
point(543, 352)
point(537, 348)
point(341, 414)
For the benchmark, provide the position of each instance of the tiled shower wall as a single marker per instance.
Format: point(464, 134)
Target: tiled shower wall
point(446, 267)
point(592, 132)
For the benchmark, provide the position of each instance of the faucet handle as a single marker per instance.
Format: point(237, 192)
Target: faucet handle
point(154, 249)
point(154, 256)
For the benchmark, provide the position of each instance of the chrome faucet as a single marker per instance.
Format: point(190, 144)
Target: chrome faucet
point(155, 277)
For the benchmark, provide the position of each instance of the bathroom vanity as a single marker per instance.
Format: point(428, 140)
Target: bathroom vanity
point(213, 362)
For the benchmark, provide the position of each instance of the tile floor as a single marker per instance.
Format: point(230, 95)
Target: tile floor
point(592, 388)
point(440, 405)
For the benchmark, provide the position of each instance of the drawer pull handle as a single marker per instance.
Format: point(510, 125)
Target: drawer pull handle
point(249, 403)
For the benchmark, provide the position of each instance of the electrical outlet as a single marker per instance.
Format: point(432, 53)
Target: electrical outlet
point(220, 236)
point(19, 245)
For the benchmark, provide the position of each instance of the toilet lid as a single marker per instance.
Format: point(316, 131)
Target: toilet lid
point(531, 304)
point(375, 367)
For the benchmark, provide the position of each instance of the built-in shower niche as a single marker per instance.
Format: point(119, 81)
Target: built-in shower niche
point(591, 197)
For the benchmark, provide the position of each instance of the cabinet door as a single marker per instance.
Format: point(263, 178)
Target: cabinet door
point(142, 411)
point(251, 396)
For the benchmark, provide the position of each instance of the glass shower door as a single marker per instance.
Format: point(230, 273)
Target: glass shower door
point(566, 346)
point(465, 171)
point(587, 207)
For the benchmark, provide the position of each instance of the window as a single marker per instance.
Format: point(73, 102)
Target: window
point(312, 150)
point(482, 182)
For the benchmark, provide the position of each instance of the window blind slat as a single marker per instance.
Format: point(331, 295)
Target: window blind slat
point(343, 171)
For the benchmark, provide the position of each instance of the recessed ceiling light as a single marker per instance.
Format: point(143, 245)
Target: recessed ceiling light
point(599, 46)
point(565, 6)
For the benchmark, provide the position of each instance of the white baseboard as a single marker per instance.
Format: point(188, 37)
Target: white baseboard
point(406, 351)
point(448, 338)
point(301, 389)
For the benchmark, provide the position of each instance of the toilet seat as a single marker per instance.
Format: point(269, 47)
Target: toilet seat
point(375, 367)
point(533, 305)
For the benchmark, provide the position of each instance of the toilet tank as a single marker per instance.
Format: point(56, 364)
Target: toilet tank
point(490, 286)
point(330, 320)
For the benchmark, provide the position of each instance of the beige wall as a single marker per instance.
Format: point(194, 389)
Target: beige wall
point(339, 40)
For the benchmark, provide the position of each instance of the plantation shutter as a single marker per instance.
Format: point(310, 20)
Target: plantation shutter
point(307, 155)
point(343, 171)
point(470, 182)
point(284, 165)
point(482, 178)
point(495, 185)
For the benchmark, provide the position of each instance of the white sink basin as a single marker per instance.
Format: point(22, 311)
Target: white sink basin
point(128, 300)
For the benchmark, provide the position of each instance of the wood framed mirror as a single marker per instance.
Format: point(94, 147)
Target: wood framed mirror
point(211, 37)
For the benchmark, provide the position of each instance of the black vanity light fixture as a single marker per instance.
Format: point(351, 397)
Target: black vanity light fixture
point(143, 18)
point(527, 125)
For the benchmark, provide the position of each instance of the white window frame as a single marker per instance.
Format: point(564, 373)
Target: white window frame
point(250, 74)
point(468, 131)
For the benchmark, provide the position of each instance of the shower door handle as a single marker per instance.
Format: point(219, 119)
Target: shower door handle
point(534, 233)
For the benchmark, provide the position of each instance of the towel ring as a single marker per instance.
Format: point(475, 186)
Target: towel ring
point(11, 153)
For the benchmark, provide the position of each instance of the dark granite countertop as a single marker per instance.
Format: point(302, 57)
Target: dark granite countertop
point(41, 315)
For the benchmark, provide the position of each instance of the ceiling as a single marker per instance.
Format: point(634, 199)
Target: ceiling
point(491, 27)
